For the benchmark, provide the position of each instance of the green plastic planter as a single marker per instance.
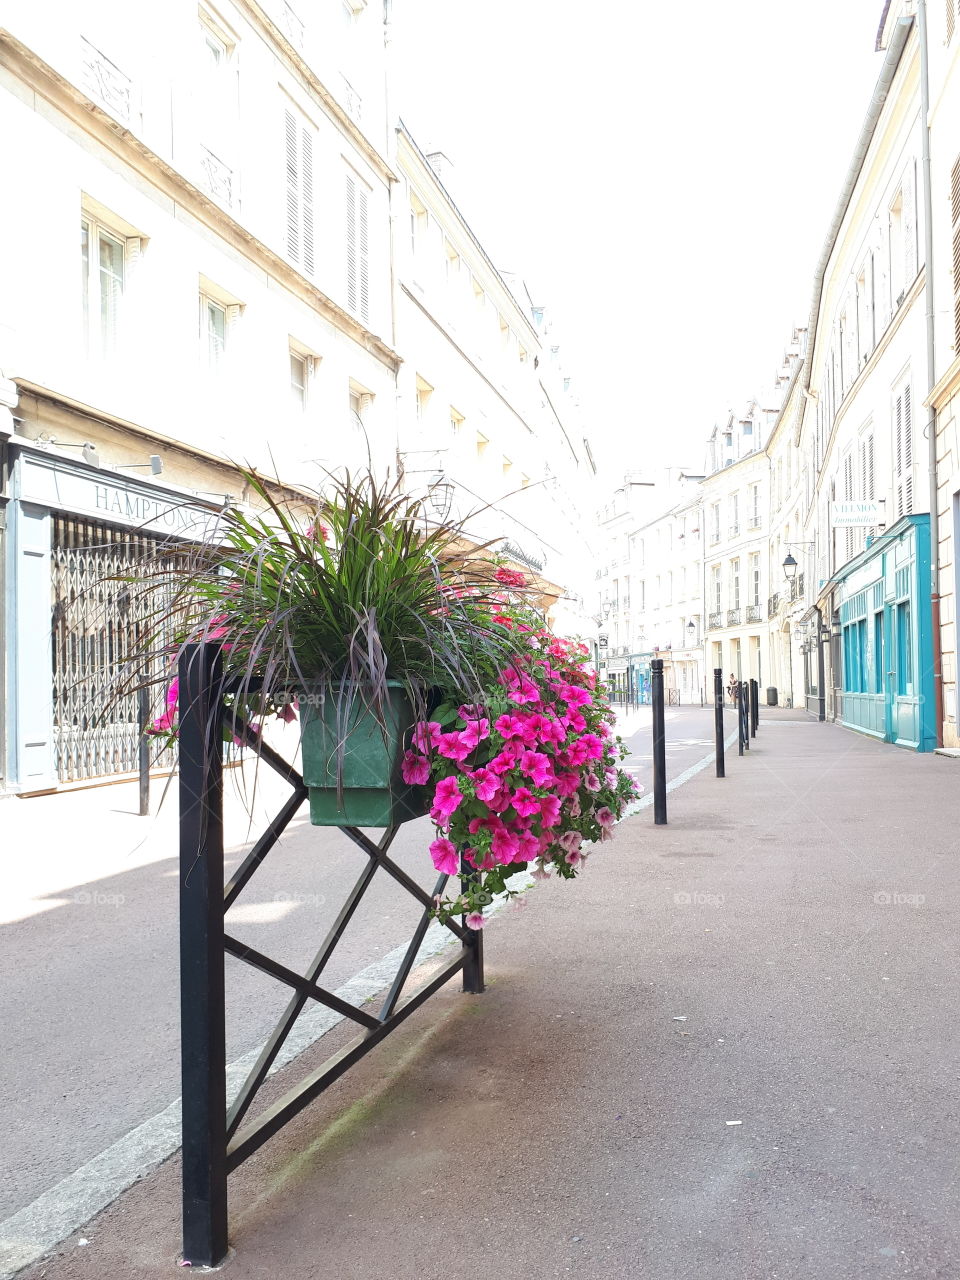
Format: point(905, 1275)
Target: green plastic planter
point(374, 793)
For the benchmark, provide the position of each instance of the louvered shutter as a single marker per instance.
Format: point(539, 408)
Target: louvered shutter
point(848, 495)
point(955, 211)
point(951, 18)
point(363, 255)
point(293, 187)
point(358, 250)
point(882, 279)
point(306, 197)
point(909, 226)
point(869, 492)
point(351, 243)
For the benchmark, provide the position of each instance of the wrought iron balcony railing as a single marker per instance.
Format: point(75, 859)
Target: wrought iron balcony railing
point(714, 620)
point(733, 617)
point(753, 613)
point(773, 605)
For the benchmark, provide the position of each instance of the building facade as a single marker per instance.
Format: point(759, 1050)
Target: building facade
point(215, 238)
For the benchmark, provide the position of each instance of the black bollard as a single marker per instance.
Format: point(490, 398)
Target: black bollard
point(718, 720)
point(754, 707)
point(659, 745)
point(738, 697)
point(745, 712)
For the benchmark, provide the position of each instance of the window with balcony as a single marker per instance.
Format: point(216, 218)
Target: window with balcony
point(734, 514)
point(715, 522)
point(735, 583)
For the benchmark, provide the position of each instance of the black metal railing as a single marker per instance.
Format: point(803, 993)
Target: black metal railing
point(773, 605)
point(733, 617)
point(753, 613)
point(215, 1139)
point(715, 619)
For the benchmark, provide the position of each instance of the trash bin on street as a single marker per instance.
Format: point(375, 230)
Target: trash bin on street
point(771, 696)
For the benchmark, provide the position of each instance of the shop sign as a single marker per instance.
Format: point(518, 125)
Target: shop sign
point(856, 515)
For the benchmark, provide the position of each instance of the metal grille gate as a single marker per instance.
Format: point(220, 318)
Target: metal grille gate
point(98, 623)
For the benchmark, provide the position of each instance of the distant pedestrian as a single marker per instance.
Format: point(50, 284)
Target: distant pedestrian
point(733, 690)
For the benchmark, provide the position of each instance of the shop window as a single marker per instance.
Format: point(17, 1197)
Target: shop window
point(878, 654)
point(904, 649)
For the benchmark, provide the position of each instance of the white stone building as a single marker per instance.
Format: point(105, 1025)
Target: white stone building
point(206, 253)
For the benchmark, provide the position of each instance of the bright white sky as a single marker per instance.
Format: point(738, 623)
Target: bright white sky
point(663, 176)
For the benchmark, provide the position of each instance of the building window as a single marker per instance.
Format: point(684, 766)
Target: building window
point(734, 515)
point(482, 443)
point(754, 516)
point(456, 421)
point(896, 244)
point(717, 589)
point(299, 369)
point(878, 653)
point(104, 275)
point(418, 224)
point(904, 650)
point(715, 522)
point(358, 250)
point(735, 583)
point(299, 147)
point(424, 392)
point(213, 330)
point(903, 451)
point(755, 577)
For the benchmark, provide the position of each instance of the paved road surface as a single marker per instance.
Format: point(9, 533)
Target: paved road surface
point(88, 948)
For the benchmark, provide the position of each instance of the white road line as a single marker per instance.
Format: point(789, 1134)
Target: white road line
point(39, 1227)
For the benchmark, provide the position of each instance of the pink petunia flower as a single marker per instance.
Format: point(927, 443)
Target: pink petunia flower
point(444, 855)
point(528, 846)
point(504, 846)
point(570, 841)
point(537, 765)
point(592, 745)
point(524, 802)
point(574, 857)
point(567, 784)
point(509, 726)
point(475, 920)
point(446, 800)
point(425, 735)
point(605, 817)
point(474, 734)
point(453, 747)
point(549, 811)
point(487, 784)
point(591, 781)
point(415, 769)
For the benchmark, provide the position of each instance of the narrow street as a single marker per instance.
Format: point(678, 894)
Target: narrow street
point(729, 1052)
point(89, 947)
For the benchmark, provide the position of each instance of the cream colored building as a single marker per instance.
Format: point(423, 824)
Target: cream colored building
point(735, 563)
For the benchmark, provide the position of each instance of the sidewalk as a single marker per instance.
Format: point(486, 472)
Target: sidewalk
point(727, 1052)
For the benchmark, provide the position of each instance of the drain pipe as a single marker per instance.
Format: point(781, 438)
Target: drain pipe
point(931, 368)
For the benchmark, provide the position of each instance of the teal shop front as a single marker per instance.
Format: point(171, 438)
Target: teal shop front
point(887, 652)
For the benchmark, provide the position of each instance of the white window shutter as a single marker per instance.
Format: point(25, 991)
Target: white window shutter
point(909, 225)
point(882, 283)
point(293, 187)
point(363, 255)
point(306, 192)
point(907, 430)
point(351, 244)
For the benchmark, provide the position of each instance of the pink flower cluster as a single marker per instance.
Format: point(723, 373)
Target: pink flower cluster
point(531, 776)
